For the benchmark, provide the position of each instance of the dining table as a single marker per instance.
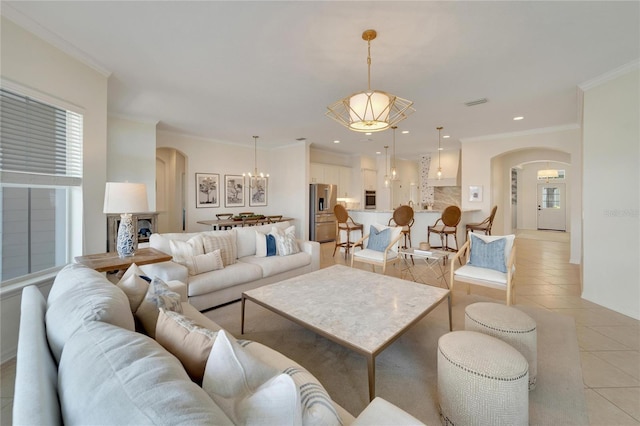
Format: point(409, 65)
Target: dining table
point(232, 223)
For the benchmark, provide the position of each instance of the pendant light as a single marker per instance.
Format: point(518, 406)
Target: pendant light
point(370, 110)
point(253, 177)
point(386, 166)
point(439, 173)
point(394, 172)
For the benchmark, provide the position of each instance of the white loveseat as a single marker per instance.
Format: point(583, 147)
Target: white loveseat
point(214, 288)
point(80, 361)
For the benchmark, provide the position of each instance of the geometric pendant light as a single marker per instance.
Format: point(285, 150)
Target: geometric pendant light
point(370, 110)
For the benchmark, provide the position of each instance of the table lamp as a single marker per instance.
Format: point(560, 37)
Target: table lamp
point(125, 198)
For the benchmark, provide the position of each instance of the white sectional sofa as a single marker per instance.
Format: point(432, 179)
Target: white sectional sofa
point(214, 288)
point(83, 360)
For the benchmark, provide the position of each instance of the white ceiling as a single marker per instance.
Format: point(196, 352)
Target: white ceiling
point(231, 70)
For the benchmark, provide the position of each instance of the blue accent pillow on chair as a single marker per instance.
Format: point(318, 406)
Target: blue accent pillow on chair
point(488, 255)
point(378, 240)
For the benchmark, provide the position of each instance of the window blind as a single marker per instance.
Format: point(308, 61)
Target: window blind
point(39, 144)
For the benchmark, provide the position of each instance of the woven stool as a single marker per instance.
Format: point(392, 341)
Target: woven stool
point(481, 381)
point(508, 324)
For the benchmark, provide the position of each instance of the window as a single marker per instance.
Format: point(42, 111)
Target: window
point(40, 174)
point(550, 197)
point(561, 175)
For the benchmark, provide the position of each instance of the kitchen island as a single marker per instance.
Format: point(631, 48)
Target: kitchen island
point(422, 219)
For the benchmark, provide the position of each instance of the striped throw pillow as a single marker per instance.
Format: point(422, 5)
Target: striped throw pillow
point(225, 243)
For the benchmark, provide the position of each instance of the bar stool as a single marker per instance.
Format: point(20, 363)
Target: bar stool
point(344, 222)
point(446, 225)
point(403, 216)
point(484, 226)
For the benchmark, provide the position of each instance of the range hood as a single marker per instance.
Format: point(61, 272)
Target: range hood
point(450, 164)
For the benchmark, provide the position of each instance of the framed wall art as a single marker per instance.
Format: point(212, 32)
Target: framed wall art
point(258, 191)
point(207, 190)
point(475, 193)
point(233, 191)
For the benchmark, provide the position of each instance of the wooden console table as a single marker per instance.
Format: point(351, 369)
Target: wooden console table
point(105, 262)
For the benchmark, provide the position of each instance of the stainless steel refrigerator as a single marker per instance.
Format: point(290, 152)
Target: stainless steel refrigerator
point(322, 221)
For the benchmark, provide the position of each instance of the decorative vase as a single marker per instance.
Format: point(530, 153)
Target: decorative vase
point(126, 243)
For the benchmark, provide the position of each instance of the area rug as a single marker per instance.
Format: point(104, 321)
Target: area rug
point(406, 372)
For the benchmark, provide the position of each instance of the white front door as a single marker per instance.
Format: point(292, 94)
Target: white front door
point(551, 207)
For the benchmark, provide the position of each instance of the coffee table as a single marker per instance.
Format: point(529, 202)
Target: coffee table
point(360, 310)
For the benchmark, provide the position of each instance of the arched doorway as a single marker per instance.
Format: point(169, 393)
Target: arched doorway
point(532, 202)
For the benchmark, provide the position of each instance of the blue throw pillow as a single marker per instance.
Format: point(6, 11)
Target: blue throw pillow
point(378, 240)
point(488, 255)
point(271, 245)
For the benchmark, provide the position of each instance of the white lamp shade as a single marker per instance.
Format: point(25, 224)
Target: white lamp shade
point(125, 197)
point(369, 111)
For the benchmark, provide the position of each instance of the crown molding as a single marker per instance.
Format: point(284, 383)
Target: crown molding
point(608, 76)
point(563, 128)
point(133, 118)
point(22, 20)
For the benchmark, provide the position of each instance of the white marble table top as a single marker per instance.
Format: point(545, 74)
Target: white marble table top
point(358, 309)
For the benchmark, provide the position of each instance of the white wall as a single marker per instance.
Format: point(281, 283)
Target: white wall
point(477, 155)
point(611, 198)
point(288, 181)
point(24, 57)
point(131, 154)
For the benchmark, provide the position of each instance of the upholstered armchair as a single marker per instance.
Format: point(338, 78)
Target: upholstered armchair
point(490, 262)
point(380, 248)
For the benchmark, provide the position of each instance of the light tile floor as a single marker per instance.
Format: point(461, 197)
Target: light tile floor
point(609, 341)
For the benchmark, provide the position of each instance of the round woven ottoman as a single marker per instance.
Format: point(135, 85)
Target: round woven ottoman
point(508, 324)
point(481, 381)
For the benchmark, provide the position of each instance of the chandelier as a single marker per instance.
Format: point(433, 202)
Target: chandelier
point(439, 173)
point(253, 177)
point(371, 110)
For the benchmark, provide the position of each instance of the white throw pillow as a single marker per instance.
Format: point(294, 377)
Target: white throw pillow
point(247, 390)
point(211, 261)
point(286, 240)
point(134, 286)
point(184, 252)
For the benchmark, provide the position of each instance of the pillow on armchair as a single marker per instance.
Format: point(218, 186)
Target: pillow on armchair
point(378, 238)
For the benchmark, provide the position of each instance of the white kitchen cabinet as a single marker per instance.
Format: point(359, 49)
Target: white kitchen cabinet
point(344, 183)
point(317, 173)
point(369, 179)
point(332, 174)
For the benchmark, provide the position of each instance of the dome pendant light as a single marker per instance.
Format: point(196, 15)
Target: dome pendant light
point(439, 173)
point(371, 110)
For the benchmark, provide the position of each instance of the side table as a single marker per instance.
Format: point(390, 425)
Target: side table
point(105, 262)
point(435, 262)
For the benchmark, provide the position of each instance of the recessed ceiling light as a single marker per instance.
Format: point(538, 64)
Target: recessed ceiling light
point(446, 137)
point(378, 152)
point(368, 133)
point(336, 141)
point(404, 132)
point(517, 118)
point(440, 149)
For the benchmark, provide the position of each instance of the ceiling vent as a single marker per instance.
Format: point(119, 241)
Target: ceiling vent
point(476, 102)
point(301, 139)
